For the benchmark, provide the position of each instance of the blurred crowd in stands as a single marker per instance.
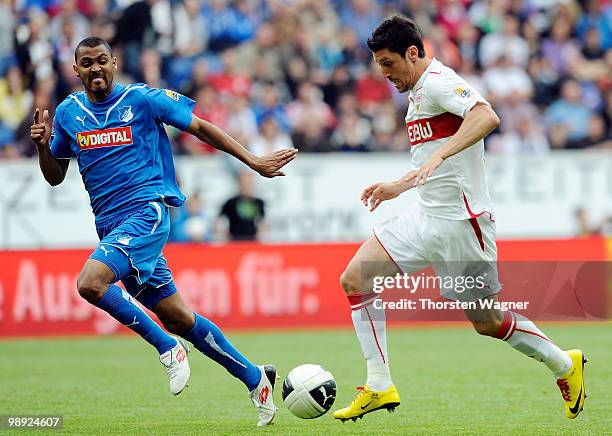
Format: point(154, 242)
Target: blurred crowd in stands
point(282, 73)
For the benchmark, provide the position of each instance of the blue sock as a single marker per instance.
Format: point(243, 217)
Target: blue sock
point(207, 338)
point(121, 307)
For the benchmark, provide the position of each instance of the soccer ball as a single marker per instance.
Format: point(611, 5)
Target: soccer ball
point(309, 391)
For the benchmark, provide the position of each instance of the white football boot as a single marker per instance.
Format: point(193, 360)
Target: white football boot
point(263, 395)
point(177, 366)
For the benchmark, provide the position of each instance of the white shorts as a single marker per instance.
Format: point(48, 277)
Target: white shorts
point(456, 249)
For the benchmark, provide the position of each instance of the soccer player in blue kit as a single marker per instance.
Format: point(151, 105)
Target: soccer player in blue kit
point(116, 133)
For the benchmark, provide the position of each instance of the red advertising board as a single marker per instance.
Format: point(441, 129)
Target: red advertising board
point(238, 286)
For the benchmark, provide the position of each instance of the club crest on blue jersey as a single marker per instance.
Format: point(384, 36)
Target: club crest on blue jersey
point(125, 113)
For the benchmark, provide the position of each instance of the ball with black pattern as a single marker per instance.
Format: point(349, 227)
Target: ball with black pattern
point(309, 391)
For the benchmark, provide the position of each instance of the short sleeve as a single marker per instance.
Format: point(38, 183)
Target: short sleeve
point(225, 209)
point(170, 107)
point(59, 142)
point(453, 94)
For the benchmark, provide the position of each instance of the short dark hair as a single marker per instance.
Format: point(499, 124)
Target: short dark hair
point(92, 41)
point(397, 33)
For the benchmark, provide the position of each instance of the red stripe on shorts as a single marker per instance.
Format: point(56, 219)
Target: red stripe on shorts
point(478, 232)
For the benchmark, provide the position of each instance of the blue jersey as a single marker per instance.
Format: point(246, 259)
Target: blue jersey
point(121, 146)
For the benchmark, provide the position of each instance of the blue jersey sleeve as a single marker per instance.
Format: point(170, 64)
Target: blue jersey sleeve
point(60, 142)
point(170, 107)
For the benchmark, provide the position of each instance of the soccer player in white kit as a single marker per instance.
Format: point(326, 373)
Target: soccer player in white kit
point(452, 228)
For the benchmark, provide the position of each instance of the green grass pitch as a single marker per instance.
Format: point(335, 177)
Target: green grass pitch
point(451, 382)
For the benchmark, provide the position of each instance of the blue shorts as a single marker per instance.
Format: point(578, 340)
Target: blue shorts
point(131, 247)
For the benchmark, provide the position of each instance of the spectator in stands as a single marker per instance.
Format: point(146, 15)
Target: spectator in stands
point(584, 228)
point(69, 12)
point(190, 40)
point(211, 108)
point(468, 44)
point(34, 49)
point(559, 48)
point(596, 135)
point(227, 27)
point(15, 100)
point(229, 82)
point(567, 117)
point(43, 97)
point(242, 124)
point(352, 132)
point(7, 26)
point(526, 136)
point(269, 104)
point(134, 31)
point(339, 84)
point(270, 138)
point(506, 80)
point(361, 15)
point(440, 46)
point(150, 71)
point(191, 222)
point(277, 46)
point(244, 213)
point(507, 43)
point(372, 89)
point(263, 47)
point(310, 109)
point(545, 80)
point(102, 23)
point(597, 15)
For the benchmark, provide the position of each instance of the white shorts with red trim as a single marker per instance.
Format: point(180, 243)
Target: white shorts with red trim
point(456, 249)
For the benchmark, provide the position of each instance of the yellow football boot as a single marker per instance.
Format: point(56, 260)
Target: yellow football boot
point(368, 401)
point(572, 385)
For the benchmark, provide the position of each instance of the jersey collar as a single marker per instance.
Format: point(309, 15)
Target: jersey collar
point(117, 89)
point(419, 82)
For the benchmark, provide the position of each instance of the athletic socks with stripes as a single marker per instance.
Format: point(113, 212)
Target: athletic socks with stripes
point(121, 306)
point(522, 335)
point(371, 327)
point(209, 339)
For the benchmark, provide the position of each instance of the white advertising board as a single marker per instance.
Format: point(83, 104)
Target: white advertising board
point(318, 200)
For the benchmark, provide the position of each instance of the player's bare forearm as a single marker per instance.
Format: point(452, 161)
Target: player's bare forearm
point(478, 123)
point(54, 170)
point(375, 194)
point(211, 134)
point(407, 182)
point(268, 165)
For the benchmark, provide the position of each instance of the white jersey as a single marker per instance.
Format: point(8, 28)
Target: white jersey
point(439, 101)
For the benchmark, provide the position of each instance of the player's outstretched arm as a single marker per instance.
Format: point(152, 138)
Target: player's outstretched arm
point(477, 124)
point(53, 169)
point(375, 194)
point(268, 165)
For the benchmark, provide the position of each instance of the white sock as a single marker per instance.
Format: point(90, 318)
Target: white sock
point(371, 327)
point(524, 336)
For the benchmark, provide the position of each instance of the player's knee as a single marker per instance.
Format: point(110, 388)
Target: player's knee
point(349, 283)
point(486, 328)
point(179, 323)
point(91, 289)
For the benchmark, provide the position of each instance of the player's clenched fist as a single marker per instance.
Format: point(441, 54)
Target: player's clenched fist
point(40, 132)
point(270, 164)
